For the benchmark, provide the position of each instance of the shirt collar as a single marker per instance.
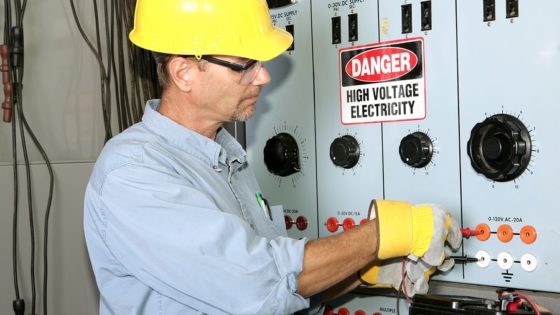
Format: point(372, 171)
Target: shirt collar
point(220, 151)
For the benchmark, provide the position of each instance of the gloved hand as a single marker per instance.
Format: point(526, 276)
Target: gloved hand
point(417, 231)
point(384, 274)
point(389, 274)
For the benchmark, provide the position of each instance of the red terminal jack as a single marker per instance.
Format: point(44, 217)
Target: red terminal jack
point(343, 311)
point(301, 222)
point(467, 232)
point(348, 223)
point(288, 221)
point(332, 224)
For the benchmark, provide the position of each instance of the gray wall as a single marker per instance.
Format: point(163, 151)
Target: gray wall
point(61, 100)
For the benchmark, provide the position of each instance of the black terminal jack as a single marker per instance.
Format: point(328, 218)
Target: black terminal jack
point(336, 30)
point(273, 4)
point(406, 18)
point(512, 8)
point(426, 18)
point(489, 10)
point(353, 27)
point(290, 29)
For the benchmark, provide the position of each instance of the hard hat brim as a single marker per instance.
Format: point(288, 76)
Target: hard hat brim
point(270, 46)
point(264, 48)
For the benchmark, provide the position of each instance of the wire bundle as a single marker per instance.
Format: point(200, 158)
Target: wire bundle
point(133, 68)
point(14, 69)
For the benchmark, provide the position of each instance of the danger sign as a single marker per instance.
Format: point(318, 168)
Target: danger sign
point(383, 82)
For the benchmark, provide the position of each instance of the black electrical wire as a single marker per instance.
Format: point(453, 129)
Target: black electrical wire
point(47, 211)
point(23, 123)
point(15, 214)
point(17, 66)
point(103, 74)
point(17, 104)
point(105, 84)
point(133, 69)
point(7, 27)
point(13, 37)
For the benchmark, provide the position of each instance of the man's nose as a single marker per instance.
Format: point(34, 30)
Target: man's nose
point(263, 77)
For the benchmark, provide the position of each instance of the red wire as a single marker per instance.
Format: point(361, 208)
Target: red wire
point(403, 281)
point(529, 300)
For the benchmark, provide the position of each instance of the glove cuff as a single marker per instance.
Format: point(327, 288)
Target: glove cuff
point(423, 229)
point(370, 273)
point(395, 226)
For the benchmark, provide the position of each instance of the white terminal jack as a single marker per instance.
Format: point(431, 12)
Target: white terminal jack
point(528, 262)
point(505, 260)
point(483, 258)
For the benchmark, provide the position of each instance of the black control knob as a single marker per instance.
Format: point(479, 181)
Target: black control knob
point(416, 149)
point(345, 151)
point(500, 147)
point(281, 155)
point(273, 4)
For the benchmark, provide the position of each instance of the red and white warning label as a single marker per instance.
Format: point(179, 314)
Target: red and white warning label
point(383, 82)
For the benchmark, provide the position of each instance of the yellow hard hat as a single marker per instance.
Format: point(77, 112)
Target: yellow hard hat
point(241, 28)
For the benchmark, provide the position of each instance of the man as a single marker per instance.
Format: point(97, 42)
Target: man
point(171, 220)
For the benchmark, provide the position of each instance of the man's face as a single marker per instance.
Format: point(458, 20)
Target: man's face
point(231, 95)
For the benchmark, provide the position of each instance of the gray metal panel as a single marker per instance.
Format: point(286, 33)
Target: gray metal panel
point(512, 66)
point(343, 193)
point(287, 106)
point(439, 181)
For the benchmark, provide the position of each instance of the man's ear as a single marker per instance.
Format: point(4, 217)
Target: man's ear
point(178, 69)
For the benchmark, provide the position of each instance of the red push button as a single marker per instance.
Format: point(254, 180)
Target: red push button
point(348, 223)
point(301, 223)
point(288, 221)
point(332, 224)
point(343, 311)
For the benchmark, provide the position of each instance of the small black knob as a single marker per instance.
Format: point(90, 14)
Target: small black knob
point(500, 147)
point(416, 149)
point(273, 4)
point(281, 155)
point(345, 151)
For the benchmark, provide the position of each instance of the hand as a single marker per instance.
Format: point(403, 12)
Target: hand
point(383, 274)
point(419, 272)
point(418, 231)
point(445, 228)
point(389, 274)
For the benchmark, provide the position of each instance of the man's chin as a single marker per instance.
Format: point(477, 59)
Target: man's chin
point(244, 116)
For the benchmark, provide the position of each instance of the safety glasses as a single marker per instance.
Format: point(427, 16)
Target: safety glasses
point(248, 71)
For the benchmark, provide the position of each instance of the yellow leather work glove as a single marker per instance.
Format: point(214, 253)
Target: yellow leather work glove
point(418, 231)
point(384, 274)
point(389, 274)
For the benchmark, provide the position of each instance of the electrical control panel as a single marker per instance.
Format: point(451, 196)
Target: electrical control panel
point(349, 157)
point(364, 304)
point(484, 150)
point(281, 138)
point(421, 157)
point(508, 100)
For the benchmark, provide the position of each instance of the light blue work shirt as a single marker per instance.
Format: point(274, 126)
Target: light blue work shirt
point(173, 226)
